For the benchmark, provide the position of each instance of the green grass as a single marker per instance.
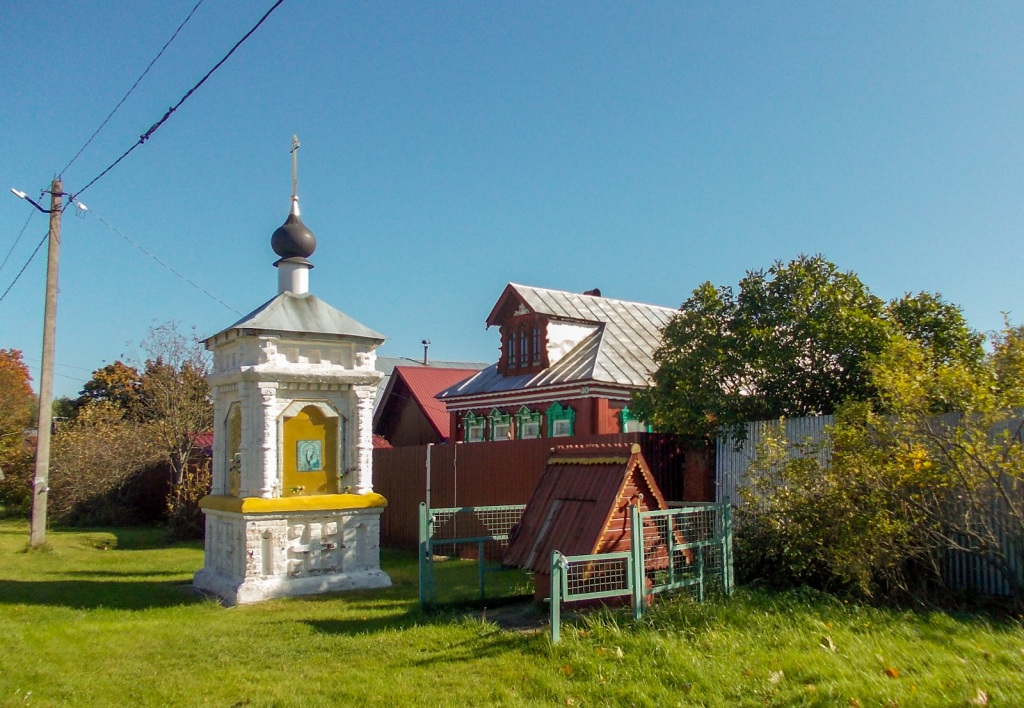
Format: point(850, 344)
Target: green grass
point(105, 618)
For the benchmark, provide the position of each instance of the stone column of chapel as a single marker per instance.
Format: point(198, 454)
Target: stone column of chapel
point(364, 438)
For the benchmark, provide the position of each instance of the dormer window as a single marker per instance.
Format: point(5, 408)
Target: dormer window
point(511, 349)
point(523, 344)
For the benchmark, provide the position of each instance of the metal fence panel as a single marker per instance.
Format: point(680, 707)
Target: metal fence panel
point(690, 550)
point(477, 533)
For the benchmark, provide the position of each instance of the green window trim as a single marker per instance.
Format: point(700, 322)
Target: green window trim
point(470, 423)
point(561, 421)
point(527, 421)
point(500, 425)
point(627, 417)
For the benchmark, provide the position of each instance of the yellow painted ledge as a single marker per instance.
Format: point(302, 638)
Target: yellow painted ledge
point(316, 502)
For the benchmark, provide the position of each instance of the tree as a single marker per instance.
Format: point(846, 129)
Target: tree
point(939, 326)
point(962, 472)
point(797, 340)
point(904, 485)
point(16, 397)
point(174, 398)
point(17, 412)
point(116, 383)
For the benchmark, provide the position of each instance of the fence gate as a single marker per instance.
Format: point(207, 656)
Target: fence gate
point(684, 548)
point(465, 532)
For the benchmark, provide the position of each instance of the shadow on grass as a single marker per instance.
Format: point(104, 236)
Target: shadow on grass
point(117, 573)
point(91, 595)
point(138, 538)
point(488, 641)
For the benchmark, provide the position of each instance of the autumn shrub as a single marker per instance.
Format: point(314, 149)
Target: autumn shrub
point(16, 472)
point(17, 404)
point(837, 522)
point(99, 465)
point(185, 519)
point(931, 470)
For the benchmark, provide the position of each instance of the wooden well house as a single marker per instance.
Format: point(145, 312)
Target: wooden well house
point(581, 506)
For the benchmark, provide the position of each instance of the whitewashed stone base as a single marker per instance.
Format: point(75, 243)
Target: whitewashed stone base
point(257, 556)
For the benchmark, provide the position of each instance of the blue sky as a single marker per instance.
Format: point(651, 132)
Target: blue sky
point(451, 148)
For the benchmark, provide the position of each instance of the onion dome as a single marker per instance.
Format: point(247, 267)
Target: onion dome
point(293, 239)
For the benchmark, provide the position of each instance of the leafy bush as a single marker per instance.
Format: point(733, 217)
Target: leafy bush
point(935, 466)
point(185, 519)
point(101, 465)
point(840, 526)
point(16, 473)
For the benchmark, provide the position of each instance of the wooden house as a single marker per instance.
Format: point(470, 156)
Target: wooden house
point(408, 412)
point(568, 366)
point(581, 505)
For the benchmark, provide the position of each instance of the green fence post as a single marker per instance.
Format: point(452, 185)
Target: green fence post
point(670, 527)
point(637, 561)
point(700, 573)
point(727, 578)
point(556, 596)
point(480, 566)
point(423, 548)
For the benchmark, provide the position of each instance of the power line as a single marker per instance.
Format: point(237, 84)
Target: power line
point(57, 373)
point(145, 136)
point(36, 363)
point(40, 245)
point(16, 240)
point(137, 81)
point(188, 280)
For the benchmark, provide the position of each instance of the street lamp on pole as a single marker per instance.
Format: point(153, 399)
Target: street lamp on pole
point(37, 533)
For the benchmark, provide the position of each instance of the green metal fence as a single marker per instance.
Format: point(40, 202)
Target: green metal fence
point(458, 535)
point(694, 554)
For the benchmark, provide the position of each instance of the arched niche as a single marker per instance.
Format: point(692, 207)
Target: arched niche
point(233, 450)
point(311, 435)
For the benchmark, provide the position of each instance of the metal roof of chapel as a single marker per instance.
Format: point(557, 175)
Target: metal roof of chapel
point(301, 314)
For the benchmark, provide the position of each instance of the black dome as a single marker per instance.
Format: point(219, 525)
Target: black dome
point(293, 239)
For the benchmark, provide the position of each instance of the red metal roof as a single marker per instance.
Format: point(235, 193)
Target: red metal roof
point(424, 383)
point(581, 504)
point(204, 443)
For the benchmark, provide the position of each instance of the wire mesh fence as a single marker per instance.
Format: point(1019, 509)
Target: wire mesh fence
point(692, 550)
point(603, 575)
point(684, 550)
point(460, 554)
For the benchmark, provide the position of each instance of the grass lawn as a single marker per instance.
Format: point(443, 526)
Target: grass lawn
point(105, 618)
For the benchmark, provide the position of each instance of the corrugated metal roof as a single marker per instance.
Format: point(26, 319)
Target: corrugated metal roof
point(386, 365)
point(423, 384)
point(578, 503)
point(305, 314)
point(620, 352)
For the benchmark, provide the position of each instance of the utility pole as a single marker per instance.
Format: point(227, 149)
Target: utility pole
point(37, 535)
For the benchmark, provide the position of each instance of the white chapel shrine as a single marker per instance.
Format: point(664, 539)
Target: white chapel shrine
point(292, 510)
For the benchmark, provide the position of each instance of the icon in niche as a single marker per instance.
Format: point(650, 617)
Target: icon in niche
point(310, 456)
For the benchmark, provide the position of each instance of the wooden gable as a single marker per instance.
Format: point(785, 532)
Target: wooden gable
point(581, 505)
